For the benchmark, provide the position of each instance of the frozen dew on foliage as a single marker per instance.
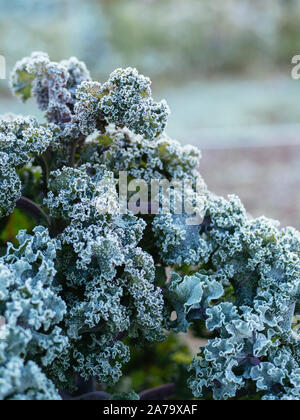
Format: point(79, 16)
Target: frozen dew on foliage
point(82, 280)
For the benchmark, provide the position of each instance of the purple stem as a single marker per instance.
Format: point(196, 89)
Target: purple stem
point(28, 205)
point(160, 393)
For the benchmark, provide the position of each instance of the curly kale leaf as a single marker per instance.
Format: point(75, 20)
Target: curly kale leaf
point(52, 84)
point(191, 297)
point(21, 139)
point(251, 351)
point(124, 100)
point(108, 279)
point(120, 150)
point(256, 347)
point(31, 337)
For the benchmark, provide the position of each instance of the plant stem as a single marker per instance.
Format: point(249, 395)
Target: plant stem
point(84, 387)
point(92, 396)
point(34, 209)
point(79, 141)
point(45, 167)
point(159, 393)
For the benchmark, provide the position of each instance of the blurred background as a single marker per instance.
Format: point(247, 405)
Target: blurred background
point(225, 70)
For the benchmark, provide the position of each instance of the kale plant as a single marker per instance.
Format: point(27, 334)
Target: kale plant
point(94, 278)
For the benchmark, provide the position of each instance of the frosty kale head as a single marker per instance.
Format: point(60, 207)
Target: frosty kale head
point(53, 85)
point(124, 100)
point(76, 293)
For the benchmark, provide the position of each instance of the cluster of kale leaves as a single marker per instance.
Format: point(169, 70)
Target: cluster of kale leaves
point(83, 279)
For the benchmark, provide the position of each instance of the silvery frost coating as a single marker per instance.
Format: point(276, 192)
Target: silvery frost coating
point(91, 273)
